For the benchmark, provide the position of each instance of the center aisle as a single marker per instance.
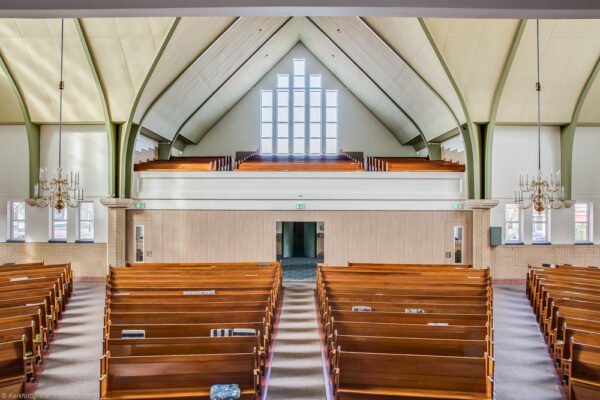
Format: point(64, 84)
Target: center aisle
point(72, 368)
point(523, 367)
point(297, 366)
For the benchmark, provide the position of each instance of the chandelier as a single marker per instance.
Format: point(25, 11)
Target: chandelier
point(541, 192)
point(63, 189)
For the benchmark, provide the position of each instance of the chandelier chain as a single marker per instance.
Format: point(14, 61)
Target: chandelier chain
point(63, 189)
point(61, 87)
point(538, 191)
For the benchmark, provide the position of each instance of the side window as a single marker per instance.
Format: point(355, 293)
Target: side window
point(17, 220)
point(59, 224)
point(86, 221)
point(512, 224)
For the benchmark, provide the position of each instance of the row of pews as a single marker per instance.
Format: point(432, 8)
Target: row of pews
point(255, 162)
point(188, 330)
point(407, 331)
point(33, 298)
point(410, 164)
point(298, 163)
point(187, 164)
point(566, 302)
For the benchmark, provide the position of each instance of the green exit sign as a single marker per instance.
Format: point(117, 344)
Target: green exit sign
point(458, 206)
point(300, 205)
point(140, 204)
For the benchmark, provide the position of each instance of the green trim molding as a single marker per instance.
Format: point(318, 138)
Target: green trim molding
point(567, 135)
point(126, 138)
point(491, 126)
point(33, 130)
point(111, 129)
point(469, 130)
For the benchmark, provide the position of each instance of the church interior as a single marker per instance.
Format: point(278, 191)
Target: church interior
point(299, 200)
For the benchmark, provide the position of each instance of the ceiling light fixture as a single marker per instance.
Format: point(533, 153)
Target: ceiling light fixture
point(62, 190)
point(539, 191)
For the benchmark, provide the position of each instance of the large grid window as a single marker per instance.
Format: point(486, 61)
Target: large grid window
point(582, 222)
point(540, 227)
point(16, 213)
point(59, 224)
point(86, 221)
point(266, 121)
point(512, 224)
point(331, 121)
point(301, 118)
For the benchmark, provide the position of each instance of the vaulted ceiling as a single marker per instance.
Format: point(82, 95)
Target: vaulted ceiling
point(176, 78)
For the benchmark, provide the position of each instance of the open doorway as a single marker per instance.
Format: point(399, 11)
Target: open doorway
point(300, 246)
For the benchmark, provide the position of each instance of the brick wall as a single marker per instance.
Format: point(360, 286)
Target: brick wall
point(510, 262)
point(87, 260)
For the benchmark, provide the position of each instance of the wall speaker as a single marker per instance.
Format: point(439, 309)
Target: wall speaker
point(495, 235)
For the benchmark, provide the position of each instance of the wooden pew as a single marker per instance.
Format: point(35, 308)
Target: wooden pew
point(177, 376)
point(395, 376)
point(584, 372)
point(12, 368)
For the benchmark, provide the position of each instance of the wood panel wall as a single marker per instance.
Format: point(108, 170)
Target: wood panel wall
point(368, 236)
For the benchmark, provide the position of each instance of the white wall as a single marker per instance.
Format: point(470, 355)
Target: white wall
point(359, 129)
point(586, 165)
point(85, 149)
point(514, 152)
point(454, 143)
point(14, 164)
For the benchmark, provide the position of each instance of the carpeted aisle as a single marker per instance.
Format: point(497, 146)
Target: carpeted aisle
point(524, 370)
point(297, 368)
point(72, 368)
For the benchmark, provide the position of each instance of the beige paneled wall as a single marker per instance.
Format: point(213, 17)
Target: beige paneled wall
point(87, 260)
point(510, 262)
point(375, 236)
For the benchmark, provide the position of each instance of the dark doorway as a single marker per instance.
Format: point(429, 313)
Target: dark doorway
point(300, 247)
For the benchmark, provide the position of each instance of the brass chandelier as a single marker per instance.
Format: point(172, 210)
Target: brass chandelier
point(539, 192)
point(63, 189)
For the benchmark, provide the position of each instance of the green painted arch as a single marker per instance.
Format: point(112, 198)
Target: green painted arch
point(491, 126)
point(129, 129)
point(111, 130)
point(567, 135)
point(165, 151)
point(468, 130)
point(33, 130)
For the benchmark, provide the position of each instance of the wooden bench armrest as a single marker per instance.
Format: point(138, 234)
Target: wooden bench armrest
point(586, 382)
point(12, 379)
point(103, 384)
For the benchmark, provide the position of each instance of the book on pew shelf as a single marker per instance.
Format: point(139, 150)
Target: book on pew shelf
point(199, 292)
point(414, 311)
point(437, 324)
point(133, 334)
point(226, 332)
point(362, 308)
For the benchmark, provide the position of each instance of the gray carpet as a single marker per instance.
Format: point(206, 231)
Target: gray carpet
point(297, 367)
point(72, 368)
point(524, 370)
point(300, 268)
